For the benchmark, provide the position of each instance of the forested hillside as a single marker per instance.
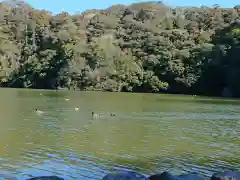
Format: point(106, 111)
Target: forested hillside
point(144, 47)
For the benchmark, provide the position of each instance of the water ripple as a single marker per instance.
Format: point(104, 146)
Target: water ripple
point(152, 136)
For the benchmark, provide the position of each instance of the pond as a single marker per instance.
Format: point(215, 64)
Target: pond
point(149, 133)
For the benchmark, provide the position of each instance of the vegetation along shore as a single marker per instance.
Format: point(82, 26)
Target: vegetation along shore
point(143, 47)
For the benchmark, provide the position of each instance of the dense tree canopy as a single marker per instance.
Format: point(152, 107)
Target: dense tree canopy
point(144, 47)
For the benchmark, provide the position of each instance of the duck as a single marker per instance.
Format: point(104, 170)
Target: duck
point(111, 114)
point(38, 111)
point(95, 115)
point(66, 99)
point(76, 108)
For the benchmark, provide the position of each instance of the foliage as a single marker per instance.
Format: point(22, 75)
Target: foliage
point(144, 47)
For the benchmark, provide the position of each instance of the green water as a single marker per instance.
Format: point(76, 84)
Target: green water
point(150, 133)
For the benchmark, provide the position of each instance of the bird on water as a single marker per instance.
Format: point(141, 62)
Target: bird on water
point(38, 111)
point(111, 114)
point(95, 115)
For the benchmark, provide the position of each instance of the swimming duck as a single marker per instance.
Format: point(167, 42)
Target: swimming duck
point(66, 99)
point(111, 114)
point(38, 111)
point(76, 108)
point(95, 115)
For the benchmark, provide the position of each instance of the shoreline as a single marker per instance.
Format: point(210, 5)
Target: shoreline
point(132, 175)
point(152, 93)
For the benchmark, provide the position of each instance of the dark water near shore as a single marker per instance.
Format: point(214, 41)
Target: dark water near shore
point(150, 133)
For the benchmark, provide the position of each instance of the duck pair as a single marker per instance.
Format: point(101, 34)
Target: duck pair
point(96, 115)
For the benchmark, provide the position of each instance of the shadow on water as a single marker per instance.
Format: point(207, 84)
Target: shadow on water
point(29, 93)
point(199, 99)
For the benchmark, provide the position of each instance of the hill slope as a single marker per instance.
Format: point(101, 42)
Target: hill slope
point(144, 47)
